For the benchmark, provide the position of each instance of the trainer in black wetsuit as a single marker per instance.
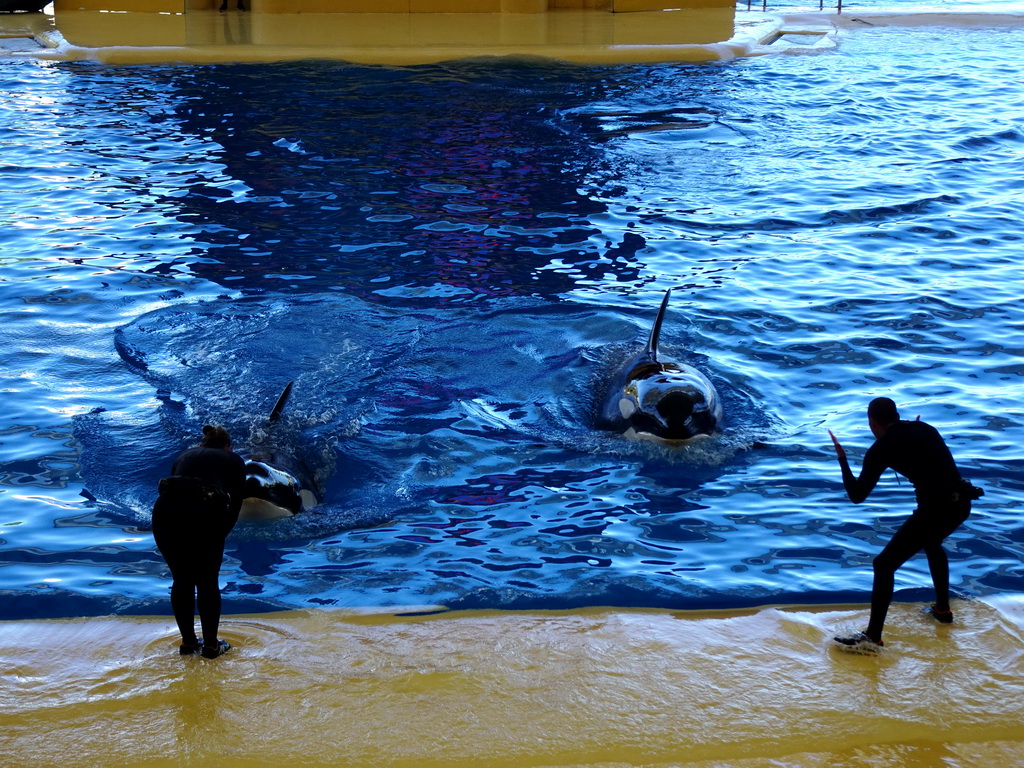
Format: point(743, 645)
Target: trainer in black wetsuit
point(197, 508)
point(916, 451)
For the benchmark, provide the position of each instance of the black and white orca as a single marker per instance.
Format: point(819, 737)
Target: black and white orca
point(276, 484)
point(652, 398)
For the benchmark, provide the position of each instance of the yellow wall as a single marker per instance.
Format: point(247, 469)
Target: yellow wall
point(142, 6)
point(101, 30)
point(330, 6)
point(399, 6)
point(424, 36)
point(623, 6)
point(597, 5)
point(386, 6)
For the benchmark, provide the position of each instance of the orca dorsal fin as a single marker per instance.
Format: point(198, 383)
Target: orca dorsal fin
point(652, 344)
point(281, 402)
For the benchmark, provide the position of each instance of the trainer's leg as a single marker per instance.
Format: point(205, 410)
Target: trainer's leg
point(183, 605)
point(938, 561)
point(172, 542)
point(938, 564)
point(905, 543)
point(208, 588)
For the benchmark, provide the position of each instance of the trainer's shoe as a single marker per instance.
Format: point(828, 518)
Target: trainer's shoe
point(943, 617)
point(212, 652)
point(859, 643)
point(187, 649)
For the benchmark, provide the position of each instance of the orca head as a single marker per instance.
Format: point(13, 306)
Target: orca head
point(272, 492)
point(673, 411)
point(685, 414)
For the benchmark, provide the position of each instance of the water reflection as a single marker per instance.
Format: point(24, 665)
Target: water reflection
point(414, 188)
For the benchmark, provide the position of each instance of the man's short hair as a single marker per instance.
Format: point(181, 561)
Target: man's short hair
point(883, 410)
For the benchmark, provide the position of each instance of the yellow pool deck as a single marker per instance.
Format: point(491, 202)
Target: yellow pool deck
point(579, 36)
point(605, 688)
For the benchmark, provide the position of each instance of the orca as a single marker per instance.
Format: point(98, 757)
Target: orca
point(276, 485)
point(658, 399)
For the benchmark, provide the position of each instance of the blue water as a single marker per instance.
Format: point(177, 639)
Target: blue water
point(451, 260)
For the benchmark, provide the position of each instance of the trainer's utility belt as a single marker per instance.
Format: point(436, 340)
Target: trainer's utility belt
point(192, 489)
point(967, 492)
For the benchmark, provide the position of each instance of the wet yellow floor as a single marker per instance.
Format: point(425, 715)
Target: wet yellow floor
point(581, 36)
point(584, 688)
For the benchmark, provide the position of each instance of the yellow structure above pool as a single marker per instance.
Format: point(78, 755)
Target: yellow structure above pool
point(404, 32)
point(388, 6)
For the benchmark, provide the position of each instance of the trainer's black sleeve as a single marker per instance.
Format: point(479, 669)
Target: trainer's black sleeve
point(913, 449)
point(858, 488)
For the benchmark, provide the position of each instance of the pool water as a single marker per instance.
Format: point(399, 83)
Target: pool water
point(451, 260)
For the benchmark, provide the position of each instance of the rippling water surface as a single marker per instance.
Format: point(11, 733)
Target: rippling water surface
point(451, 260)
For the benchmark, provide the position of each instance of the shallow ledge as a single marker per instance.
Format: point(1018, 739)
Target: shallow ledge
point(498, 688)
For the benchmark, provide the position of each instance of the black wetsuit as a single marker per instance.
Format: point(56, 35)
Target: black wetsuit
point(195, 512)
point(917, 451)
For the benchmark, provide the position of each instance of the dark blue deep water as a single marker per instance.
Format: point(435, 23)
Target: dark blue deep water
point(451, 260)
